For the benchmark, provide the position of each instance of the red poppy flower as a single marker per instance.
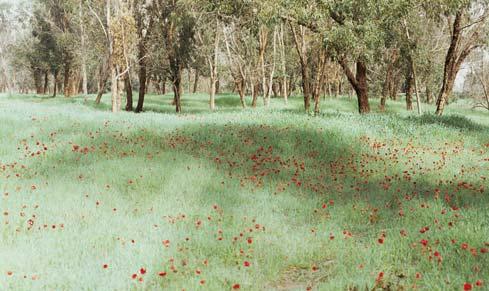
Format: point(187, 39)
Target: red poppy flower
point(105, 266)
point(250, 240)
point(424, 242)
point(484, 251)
point(478, 283)
point(162, 274)
point(142, 271)
point(246, 264)
point(381, 240)
point(236, 286)
point(379, 277)
point(465, 246)
point(134, 276)
point(467, 286)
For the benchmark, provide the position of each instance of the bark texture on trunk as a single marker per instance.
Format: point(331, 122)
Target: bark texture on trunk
point(177, 88)
point(359, 83)
point(409, 90)
point(142, 81)
point(128, 86)
point(456, 55)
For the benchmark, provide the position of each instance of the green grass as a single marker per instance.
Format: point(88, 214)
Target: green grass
point(111, 188)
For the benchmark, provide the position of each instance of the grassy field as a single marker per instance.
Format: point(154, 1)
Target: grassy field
point(250, 199)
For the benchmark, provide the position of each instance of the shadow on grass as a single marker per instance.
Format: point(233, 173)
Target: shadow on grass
point(310, 163)
point(452, 121)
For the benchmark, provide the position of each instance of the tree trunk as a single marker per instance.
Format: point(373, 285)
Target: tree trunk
point(55, 83)
point(46, 82)
point(37, 75)
point(254, 93)
point(387, 87)
point(284, 64)
point(83, 48)
point(456, 55)
point(142, 79)
point(263, 43)
point(319, 81)
point(272, 73)
point(196, 81)
point(301, 48)
point(409, 90)
point(177, 86)
point(240, 85)
point(359, 83)
point(128, 86)
point(428, 95)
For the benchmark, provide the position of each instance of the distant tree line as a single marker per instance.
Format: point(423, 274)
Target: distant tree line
point(257, 48)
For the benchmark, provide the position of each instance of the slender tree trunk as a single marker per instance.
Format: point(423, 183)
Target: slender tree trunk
point(263, 41)
point(319, 81)
point(142, 78)
point(128, 86)
point(456, 55)
point(213, 60)
point(428, 95)
point(301, 47)
point(177, 86)
point(46, 82)
point(272, 73)
point(284, 64)
point(386, 89)
point(254, 93)
point(241, 91)
point(114, 89)
point(409, 90)
point(83, 57)
point(196, 81)
point(55, 83)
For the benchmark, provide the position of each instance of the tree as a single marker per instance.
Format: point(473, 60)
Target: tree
point(468, 22)
point(176, 26)
point(145, 19)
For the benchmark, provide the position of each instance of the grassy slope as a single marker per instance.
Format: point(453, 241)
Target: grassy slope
point(208, 182)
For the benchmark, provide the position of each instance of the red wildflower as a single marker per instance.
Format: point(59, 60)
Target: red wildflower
point(250, 240)
point(381, 240)
point(236, 286)
point(467, 286)
point(380, 276)
point(437, 254)
point(142, 271)
point(478, 283)
point(246, 264)
point(134, 276)
point(424, 242)
point(484, 251)
point(162, 274)
point(105, 266)
point(465, 246)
